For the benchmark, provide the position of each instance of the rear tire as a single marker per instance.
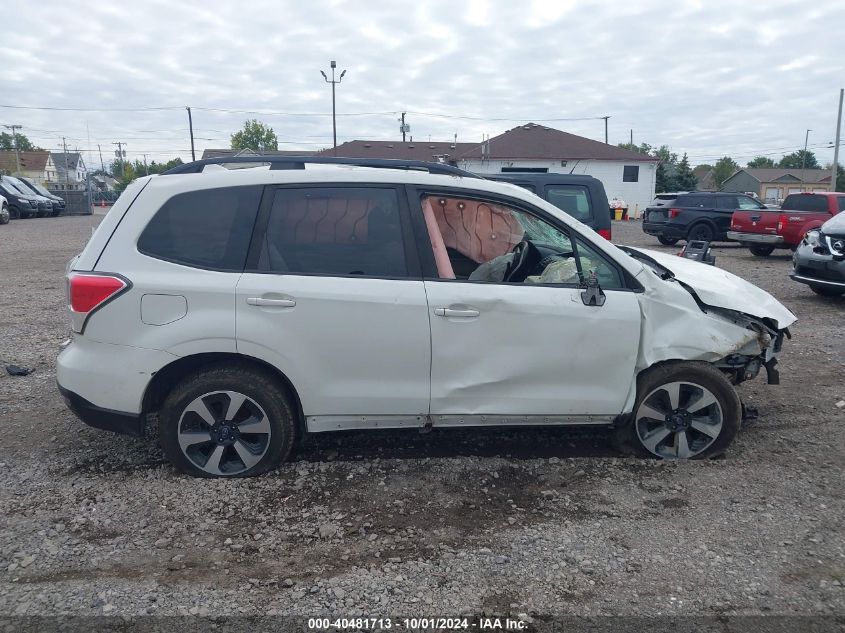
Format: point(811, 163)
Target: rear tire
point(826, 292)
point(203, 438)
point(700, 232)
point(667, 241)
point(659, 418)
point(761, 250)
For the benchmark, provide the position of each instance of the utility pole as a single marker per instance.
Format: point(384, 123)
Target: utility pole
point(403, 128)
point(804, 160)
point(67, 169)
point(632, 136)
point(605, 128)
point(835, 169)
point(334, 115)
point(146, 169)
point(15, 140)
point(191, 128)
point(102, 165)
point(121, 154)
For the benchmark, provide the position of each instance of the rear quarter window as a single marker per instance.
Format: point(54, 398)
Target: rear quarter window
point(210, 228)
point(572, 200)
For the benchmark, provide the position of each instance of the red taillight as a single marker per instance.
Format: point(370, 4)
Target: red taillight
point(674, 213)
point(782, 222)
point(86, 292)
point(605, 233)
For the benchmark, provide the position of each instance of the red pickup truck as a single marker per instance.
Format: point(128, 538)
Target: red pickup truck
point(762, 231)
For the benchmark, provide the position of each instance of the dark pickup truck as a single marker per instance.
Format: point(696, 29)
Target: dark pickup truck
point(764, 230)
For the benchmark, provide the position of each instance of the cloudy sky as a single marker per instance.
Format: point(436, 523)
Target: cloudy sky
point(708, 78)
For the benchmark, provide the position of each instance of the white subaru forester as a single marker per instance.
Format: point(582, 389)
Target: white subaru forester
point(247, 307)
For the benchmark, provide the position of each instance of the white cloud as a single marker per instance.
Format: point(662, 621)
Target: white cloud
point(709, 78)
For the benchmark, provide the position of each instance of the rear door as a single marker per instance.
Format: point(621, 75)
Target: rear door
point(333, 297)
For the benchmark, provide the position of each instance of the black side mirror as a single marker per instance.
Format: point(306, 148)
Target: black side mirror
point(593, 295)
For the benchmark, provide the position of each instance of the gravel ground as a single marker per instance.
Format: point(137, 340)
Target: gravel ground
point(540, 523)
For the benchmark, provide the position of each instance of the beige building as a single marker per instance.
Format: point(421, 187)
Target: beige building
point(774, 184)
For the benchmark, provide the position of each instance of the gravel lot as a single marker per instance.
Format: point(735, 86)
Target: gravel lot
point(450, 522)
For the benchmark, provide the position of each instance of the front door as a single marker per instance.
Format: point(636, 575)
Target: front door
point(330, 298)
point(526, 350)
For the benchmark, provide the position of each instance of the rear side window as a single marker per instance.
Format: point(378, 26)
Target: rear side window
point(334, 231)
point(804, 202)
point(210, 228)
point(841, 202)
point(571, 200)
point(691, 201)
point(727, 202)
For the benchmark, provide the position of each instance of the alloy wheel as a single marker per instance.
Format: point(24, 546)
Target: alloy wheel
point(224, 433)
point(678, 420)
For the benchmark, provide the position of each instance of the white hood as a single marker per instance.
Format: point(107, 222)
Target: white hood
point(721, 289)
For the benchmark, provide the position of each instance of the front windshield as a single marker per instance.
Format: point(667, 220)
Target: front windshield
point(17, 186)
point(40, 189)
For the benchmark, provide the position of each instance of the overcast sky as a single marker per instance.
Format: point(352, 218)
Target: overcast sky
point(707, 78)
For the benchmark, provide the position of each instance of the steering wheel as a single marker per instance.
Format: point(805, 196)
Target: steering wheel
point(519, 264)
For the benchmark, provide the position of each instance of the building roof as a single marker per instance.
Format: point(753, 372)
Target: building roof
point(529, 141)
point(225, 153)
point(774, 174)
point(532, 141)
point(705, 180)
point(410, 150)
point(30, 161)
point(59, 161)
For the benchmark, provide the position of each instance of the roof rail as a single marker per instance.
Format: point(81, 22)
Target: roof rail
point(299, 162)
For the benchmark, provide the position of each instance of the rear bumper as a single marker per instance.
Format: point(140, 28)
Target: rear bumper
point(663, 229)
point(756, 238)
point(100, 418)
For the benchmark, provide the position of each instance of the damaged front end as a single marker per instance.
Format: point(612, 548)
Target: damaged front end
point(694, 312)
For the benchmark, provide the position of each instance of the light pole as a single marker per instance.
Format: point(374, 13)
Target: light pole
point(804, 161)
point(334, 116)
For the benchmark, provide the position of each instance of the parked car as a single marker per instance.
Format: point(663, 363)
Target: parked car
point(4, 211)
point(45, 205)
point(763, 232)
point(21, 204)
point(819, 260)
point(57, 201)
point(249, 307)
point(700, 216)
point(582, 197)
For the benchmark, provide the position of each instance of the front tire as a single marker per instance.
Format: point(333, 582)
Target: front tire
point(761, 250)
point(684, 410)
point(4, 215)
point(826, 292)
point(667, 241)
point(227, 421)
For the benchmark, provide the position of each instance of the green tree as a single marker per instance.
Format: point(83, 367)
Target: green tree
point(724, 168)
point(7, 142)
point(685, 179)
point(761, 161)
point(795, 160)
point(255, 136)
point(643, 148)
point(135, 169)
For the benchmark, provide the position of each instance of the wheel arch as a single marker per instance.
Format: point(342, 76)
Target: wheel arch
point(169, 376)
point(699, 222)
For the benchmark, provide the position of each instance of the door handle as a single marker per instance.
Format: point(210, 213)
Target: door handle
point(272, 303)
point(466, 313)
